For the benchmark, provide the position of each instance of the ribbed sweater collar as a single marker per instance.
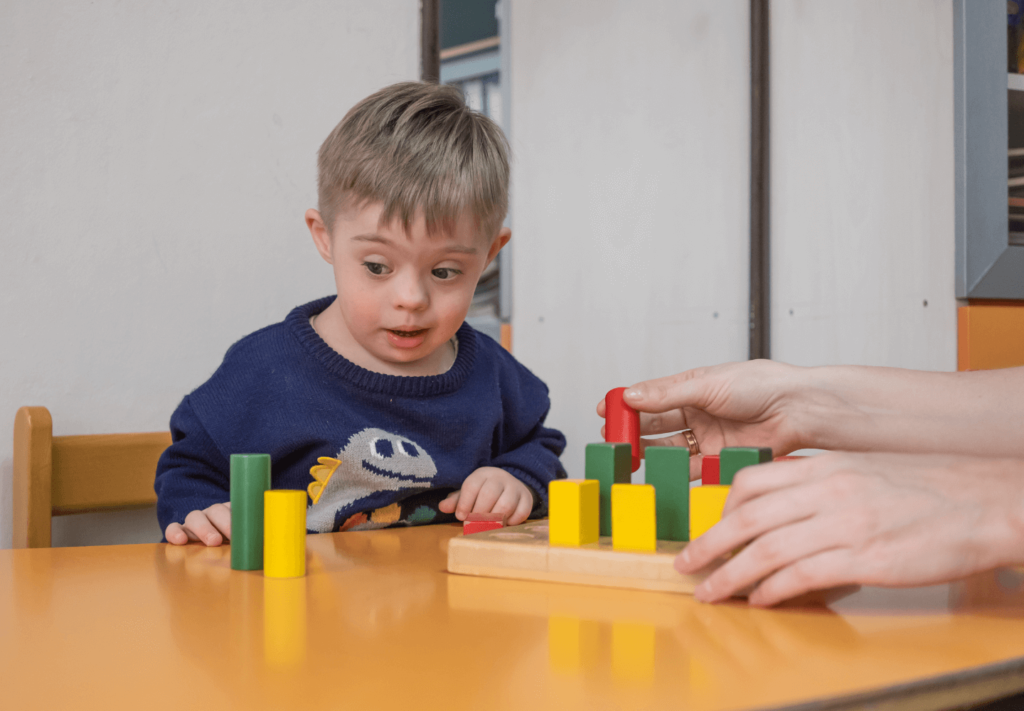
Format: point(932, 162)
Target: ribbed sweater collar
point(394, 385)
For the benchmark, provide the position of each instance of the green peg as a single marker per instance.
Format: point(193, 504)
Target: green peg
point(250, 477)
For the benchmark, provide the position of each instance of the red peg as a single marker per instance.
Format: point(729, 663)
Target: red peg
point(709, 470)
point(622, 423)
point(476, 522)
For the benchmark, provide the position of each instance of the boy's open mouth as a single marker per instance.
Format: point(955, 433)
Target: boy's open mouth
point(407, 334)
point(399, 338)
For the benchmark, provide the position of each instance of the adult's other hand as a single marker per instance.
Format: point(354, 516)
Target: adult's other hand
point(875, 519)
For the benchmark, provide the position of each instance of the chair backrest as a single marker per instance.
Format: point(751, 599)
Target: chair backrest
point(54, 476)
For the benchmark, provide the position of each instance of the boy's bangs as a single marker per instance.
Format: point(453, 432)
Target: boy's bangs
point(441, 202)
point(417, 148)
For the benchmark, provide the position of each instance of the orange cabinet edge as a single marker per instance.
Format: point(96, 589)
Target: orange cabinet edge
point(506, 336)
point(990, 336)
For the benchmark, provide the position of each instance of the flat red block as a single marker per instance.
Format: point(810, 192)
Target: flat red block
point(477, 522)
point(709, 470)
point(622, 423)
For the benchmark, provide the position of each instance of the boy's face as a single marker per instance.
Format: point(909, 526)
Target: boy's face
point(401, 295)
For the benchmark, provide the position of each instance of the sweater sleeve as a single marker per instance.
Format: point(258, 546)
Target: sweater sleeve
point(529, 450)
point(192, 473)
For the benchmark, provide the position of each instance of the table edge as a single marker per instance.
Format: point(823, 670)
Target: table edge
point(977, 685)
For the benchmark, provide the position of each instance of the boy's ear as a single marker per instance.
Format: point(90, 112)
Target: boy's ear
point(504, 235)
point(321, 235)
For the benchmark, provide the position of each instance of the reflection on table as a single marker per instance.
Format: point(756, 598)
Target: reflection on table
point(377, 620)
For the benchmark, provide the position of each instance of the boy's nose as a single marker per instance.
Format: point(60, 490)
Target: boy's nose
point(410, 294)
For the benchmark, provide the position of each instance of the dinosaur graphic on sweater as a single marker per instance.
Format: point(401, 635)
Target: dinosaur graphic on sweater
point(372, 461)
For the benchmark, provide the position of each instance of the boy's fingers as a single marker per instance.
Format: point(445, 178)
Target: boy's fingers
point(176, 535)
point(220, 516)
point(198, 525)
point(508, 502)
point(522, 511)
point(488, 496)
point(467, 497)
point(448, 503)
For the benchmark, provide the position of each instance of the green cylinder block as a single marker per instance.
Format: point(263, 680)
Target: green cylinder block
point(250, 477)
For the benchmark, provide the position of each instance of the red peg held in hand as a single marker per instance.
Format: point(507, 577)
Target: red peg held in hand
point(622, 423)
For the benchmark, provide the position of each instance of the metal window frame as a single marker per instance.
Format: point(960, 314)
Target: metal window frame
point(987, 265)
point(472, 66)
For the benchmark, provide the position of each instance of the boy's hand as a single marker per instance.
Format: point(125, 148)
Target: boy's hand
point(490, 490)
point(211, 526)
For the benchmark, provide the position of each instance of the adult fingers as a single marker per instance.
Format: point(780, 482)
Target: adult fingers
point(768, 554)
point(220, 516)
point(671, 421)
point(690, 388)
point(660, 423)
point(827, 569)
point(744, 523)
point(753, 482)
point(674, 441)
point(197, 524)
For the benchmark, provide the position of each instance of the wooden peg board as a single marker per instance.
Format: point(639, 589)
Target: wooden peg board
point(522, 553)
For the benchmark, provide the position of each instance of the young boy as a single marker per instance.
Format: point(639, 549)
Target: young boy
point(381, 402)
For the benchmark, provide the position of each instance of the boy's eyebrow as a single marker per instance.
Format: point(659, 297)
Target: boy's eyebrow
point(384, 240)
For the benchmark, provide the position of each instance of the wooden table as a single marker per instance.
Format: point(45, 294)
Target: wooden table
point(379, 624)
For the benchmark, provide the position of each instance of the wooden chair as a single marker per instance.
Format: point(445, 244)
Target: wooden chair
point(55, 476)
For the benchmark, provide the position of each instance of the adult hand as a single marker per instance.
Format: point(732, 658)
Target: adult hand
point(748, 404)
point(875, 519)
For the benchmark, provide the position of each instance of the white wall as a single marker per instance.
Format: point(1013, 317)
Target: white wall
point(630, 190)
point(155, 163)
point(630, 135)
point(862, 183)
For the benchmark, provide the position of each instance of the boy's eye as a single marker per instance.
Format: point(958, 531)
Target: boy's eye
point(375, 268)
point(446, 273)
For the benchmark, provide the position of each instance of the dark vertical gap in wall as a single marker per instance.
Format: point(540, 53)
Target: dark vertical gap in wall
point(430, 40)
point(760, 245)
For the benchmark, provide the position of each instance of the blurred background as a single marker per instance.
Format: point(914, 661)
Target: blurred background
point(156, 160)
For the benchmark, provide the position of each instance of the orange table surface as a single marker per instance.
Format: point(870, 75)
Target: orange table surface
point(378, 623)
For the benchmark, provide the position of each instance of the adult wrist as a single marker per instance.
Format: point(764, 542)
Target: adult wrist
point(1015, 546)
point(813, 406)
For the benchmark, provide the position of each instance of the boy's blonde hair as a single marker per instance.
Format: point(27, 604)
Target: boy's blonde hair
point(415, 146)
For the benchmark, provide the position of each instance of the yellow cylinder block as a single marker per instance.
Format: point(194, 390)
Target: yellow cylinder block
point(284, 533)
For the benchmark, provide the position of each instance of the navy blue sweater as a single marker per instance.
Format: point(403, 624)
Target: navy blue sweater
point(372, 450)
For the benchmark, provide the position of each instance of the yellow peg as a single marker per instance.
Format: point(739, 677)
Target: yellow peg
point(706, 504)
point(284, 533)
point(634, 523)
point(573, 512)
